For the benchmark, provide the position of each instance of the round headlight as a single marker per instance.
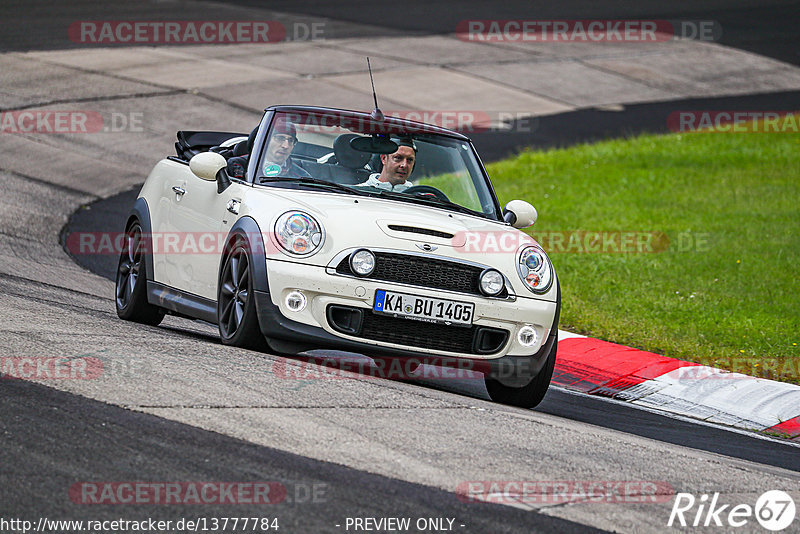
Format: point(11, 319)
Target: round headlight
point(298, 233)
point(362, 262)
point(535, 270)
point(492, 282)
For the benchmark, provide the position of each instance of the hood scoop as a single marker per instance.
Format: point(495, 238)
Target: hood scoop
point(422, 231)
point(452, 234)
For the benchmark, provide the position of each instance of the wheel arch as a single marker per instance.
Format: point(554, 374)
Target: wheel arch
point(141, 212)
point(246, 227)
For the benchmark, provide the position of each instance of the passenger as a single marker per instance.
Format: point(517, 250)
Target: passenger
point(397, 167)
point(277, 160)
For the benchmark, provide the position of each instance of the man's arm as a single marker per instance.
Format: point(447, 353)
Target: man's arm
point(296, 171)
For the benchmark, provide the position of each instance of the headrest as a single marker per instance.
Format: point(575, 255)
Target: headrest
point(346, 155)
point(240, 149)
point(251, 140)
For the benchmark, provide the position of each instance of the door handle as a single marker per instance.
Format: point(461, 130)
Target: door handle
point(178, 190)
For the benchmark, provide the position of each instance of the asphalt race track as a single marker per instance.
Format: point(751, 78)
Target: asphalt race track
point(174, 405)
point(109, 214)
point(118, 445)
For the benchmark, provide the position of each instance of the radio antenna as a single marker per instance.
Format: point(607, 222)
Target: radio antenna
point(376, 114)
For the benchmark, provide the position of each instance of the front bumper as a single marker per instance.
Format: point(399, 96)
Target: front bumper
point(311, 328)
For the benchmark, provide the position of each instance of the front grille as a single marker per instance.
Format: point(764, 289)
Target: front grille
point(424, 272)
point(417, 334)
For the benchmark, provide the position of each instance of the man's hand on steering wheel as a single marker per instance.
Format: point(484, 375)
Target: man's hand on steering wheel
point(426, 190)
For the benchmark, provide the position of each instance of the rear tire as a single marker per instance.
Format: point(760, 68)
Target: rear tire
point(529, 395)
point(236, 303)
point(131, 284)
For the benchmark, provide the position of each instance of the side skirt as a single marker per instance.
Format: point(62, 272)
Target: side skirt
point(181, 303)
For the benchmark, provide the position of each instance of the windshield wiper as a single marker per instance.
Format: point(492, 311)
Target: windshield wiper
point(432, 200)
point(305, 180)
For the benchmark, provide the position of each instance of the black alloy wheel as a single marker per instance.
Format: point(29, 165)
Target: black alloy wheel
point(236, 311)
point(131, 282)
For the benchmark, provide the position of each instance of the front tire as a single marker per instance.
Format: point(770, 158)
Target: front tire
point(236, 308)
point(529, 395)
point(131, 282)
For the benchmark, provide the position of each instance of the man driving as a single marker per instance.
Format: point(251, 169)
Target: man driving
point(397, 167)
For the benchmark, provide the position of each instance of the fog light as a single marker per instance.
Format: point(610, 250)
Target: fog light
point(362, 262)
point(295, 301)
point(492, 282)
point(527, 336)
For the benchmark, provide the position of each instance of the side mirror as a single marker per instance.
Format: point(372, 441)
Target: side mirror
point(519, 214)
point(211, 166)
point(206, 165)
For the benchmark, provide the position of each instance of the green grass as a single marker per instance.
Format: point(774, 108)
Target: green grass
point(725, 290)
point(457, 186)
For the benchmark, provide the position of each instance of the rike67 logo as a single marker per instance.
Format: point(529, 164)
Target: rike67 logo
point(774, 510)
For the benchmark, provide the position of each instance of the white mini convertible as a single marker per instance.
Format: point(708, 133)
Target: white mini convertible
point(333, 229)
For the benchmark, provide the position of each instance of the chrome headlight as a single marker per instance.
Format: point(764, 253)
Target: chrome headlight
point(534, 269)
point(298, 233)
point(491, 282)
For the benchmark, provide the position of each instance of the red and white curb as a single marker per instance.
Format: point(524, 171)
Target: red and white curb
point(597, 367)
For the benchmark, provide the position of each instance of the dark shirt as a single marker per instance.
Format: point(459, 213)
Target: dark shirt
point(293, 170)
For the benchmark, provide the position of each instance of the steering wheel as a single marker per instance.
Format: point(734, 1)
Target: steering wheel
point(426, 190)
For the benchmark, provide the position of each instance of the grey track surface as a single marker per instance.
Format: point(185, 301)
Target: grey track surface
point(767, 28)
point(121, 445)
point(108, 215)
point(175, 405)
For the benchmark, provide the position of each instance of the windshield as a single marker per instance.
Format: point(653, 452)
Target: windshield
point(314, 149)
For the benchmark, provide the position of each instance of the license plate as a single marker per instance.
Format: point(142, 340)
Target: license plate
point(430, 310)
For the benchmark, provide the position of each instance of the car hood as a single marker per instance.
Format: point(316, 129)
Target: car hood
point(352, 222)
